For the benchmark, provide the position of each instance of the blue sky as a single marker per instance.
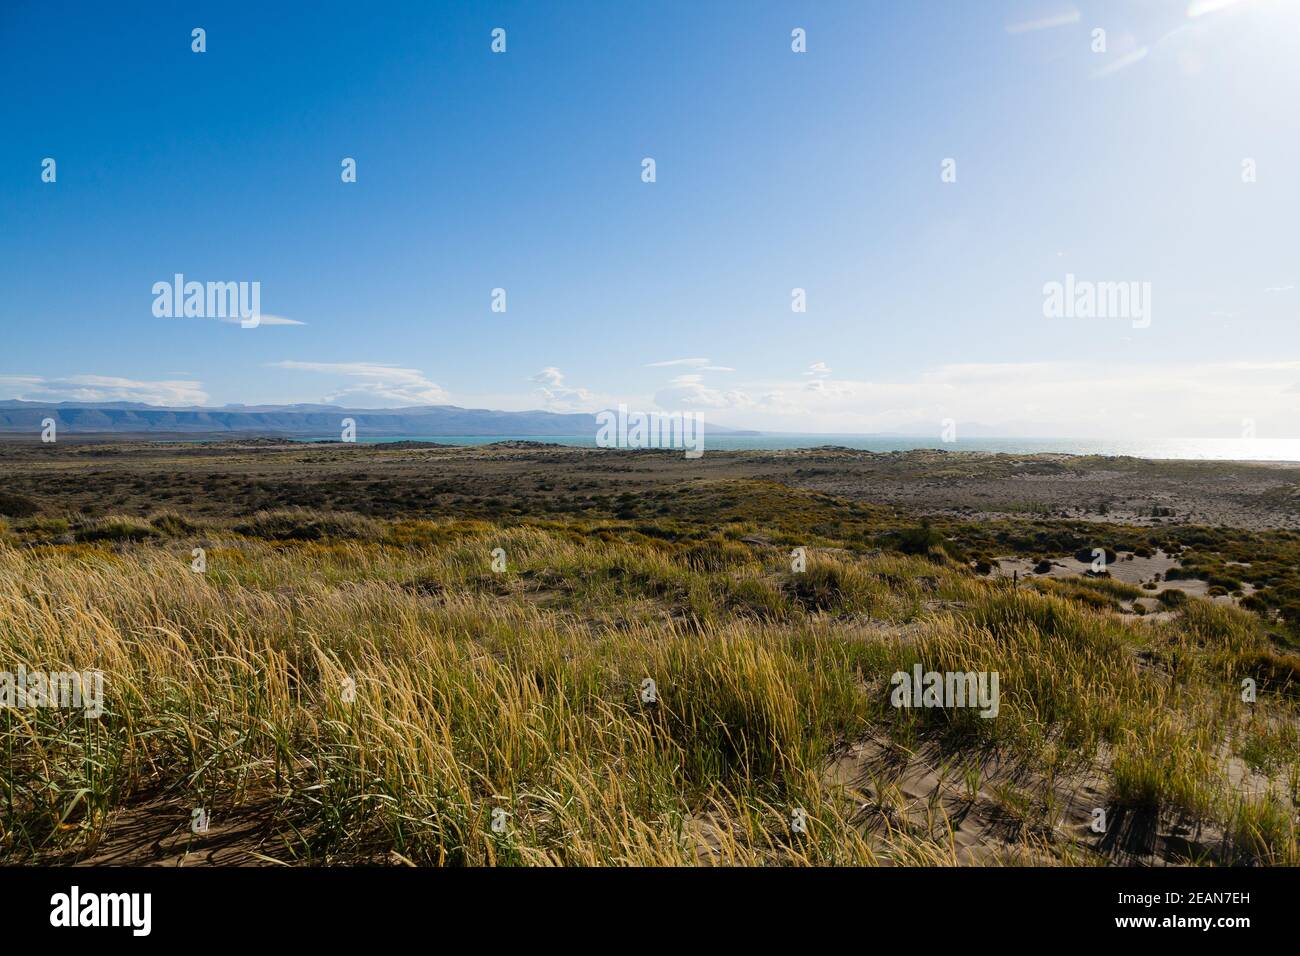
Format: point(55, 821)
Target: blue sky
point(775, 170)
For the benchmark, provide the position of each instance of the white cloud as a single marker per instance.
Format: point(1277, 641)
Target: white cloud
point(377, 383)
point(689, 393)
point(818, 370)
point(101, 388)
point(558, 397)
point(824, 387)
point(1063, 399)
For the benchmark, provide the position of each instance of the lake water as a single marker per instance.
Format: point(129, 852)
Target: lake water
point(1216, 449)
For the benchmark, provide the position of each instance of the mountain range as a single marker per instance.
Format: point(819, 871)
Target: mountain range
point(318, 421)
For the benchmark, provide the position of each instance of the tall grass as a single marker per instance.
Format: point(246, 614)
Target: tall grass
point(376, 691)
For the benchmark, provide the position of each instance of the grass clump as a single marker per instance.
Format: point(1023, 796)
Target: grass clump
point(114, 528)
point(304, 524)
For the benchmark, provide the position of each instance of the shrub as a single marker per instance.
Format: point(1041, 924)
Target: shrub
point(1172, 597)
point(17, 506)
point(115, 528)
point(1087, 557)
point(923, 540)
point(174, 525)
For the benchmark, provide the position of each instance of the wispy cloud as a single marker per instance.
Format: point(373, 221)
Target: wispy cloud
point(1063, 19)
point(377, 382)
point(101, 388)
point(1200, 8)
point(694, 362)
point(702, 364)
point(1122, 62)
point(266, 319)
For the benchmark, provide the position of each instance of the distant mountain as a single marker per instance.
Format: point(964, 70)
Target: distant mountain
point(299, 421)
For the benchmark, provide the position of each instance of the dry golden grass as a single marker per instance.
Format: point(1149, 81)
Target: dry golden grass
point(519, 692)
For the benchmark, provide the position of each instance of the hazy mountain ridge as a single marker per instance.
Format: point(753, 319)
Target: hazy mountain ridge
point(302, 420)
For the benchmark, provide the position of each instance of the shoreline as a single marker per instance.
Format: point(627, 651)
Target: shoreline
point(288, 440)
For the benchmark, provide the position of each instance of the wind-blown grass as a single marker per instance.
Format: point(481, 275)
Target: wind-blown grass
point(521, 692)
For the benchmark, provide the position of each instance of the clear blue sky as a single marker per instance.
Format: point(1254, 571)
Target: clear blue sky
point(775, 170)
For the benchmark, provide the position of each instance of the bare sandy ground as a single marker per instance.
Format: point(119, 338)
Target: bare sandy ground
point(1128, 568)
